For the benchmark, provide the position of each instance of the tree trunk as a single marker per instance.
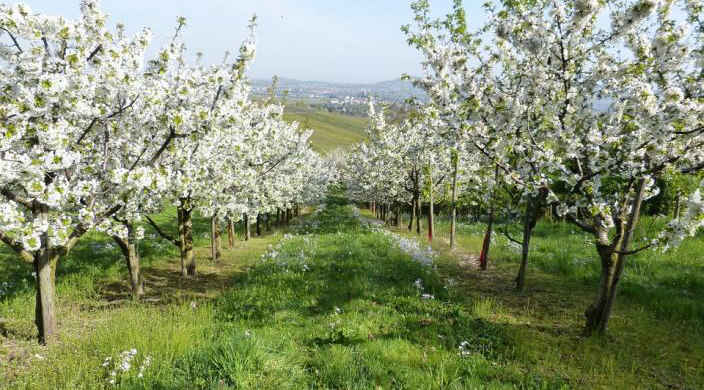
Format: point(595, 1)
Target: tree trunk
point(259, 225)
point(529, 220)
point(188, 251)
point(621, 257)
point(594, 314)
point(247, 231)
point(182, 240)
point(453, 204)
point(128, 246)
point(45, 315)
point(44, 267)
point(212, 238)
point(418, 213)
point(278, 217)
point(268, 222)
point(230, 233)
point(430, 219)
point(678, 206)
point(218, 240)
point(484, 256)
point(215, 241)
point(413, 214)
point(431, 210)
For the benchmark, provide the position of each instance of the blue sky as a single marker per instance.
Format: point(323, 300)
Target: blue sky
point(326, 40)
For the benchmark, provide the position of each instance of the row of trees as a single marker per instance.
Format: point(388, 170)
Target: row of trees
point(94, 138)
point(585, 108)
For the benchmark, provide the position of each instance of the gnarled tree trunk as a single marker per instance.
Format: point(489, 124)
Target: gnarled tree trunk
point(595, 313)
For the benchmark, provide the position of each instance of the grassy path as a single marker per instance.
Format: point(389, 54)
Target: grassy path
point(334, 305)
point(338, 302)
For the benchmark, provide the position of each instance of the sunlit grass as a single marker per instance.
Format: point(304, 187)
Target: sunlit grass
point(335, 305)
point(330, 130)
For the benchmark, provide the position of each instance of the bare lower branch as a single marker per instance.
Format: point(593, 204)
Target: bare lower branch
point(508, 235)
point(162, 233)
point(634, 251)
point(17, 247)
point(581, 224)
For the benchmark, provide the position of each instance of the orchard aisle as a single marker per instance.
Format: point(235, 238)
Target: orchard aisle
point(336, 302)
point(344, 303)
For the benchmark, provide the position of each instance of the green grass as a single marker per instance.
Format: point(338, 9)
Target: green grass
point(332, 304)
point(330, 130)
point(655, 335)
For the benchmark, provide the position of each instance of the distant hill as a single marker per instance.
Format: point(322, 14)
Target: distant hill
point(393, 90)
point(330, 130)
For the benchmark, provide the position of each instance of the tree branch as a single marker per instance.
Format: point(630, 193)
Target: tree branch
point(85, 132)
point(7, 193)
point(161, 232)
point(14, 40)
point(46, 46)
point(94, 52)
point(581, 224)
point(508, 235)
point(172, 135)
point(17, 247)
point(634, 251)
